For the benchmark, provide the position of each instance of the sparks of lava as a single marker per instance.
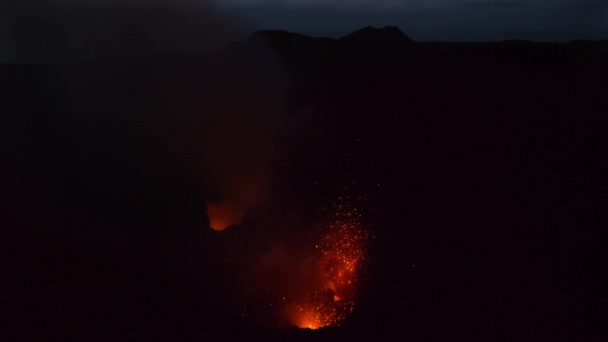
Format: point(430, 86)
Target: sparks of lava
point(340, 255)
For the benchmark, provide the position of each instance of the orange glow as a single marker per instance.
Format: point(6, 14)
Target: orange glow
point(308, 319)
point(340, 254)
point(225, 214)
point(237, 198)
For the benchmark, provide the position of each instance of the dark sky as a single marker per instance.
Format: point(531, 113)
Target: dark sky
point(42, 30)
point(436, 19)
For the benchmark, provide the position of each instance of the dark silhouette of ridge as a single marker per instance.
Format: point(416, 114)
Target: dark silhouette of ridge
point(387, 34)
point(292, 48)
point(285, 40)
point(276, 37)
point(388, 45)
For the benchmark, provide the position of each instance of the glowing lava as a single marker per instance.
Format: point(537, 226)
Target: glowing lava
point(308, 318)
point(221, 216)
point(227, 213)
point(340, 255)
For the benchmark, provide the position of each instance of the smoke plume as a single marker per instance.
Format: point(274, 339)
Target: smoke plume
point(139, 112)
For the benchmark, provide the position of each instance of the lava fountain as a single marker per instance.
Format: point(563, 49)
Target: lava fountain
point(339, 257)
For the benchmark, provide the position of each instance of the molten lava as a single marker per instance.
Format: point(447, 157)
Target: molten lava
point(340, 255)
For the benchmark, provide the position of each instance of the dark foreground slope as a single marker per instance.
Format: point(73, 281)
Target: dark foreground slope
point(481, 162)
point(484, 160)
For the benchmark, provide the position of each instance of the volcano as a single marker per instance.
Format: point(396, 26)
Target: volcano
point(477, 162)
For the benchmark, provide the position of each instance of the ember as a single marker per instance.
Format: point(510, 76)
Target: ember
point(340, 254)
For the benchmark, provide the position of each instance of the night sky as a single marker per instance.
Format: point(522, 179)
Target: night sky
point(436, 19)
point(38, 30)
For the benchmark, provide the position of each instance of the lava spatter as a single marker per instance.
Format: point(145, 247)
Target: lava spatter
point(339, 257)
